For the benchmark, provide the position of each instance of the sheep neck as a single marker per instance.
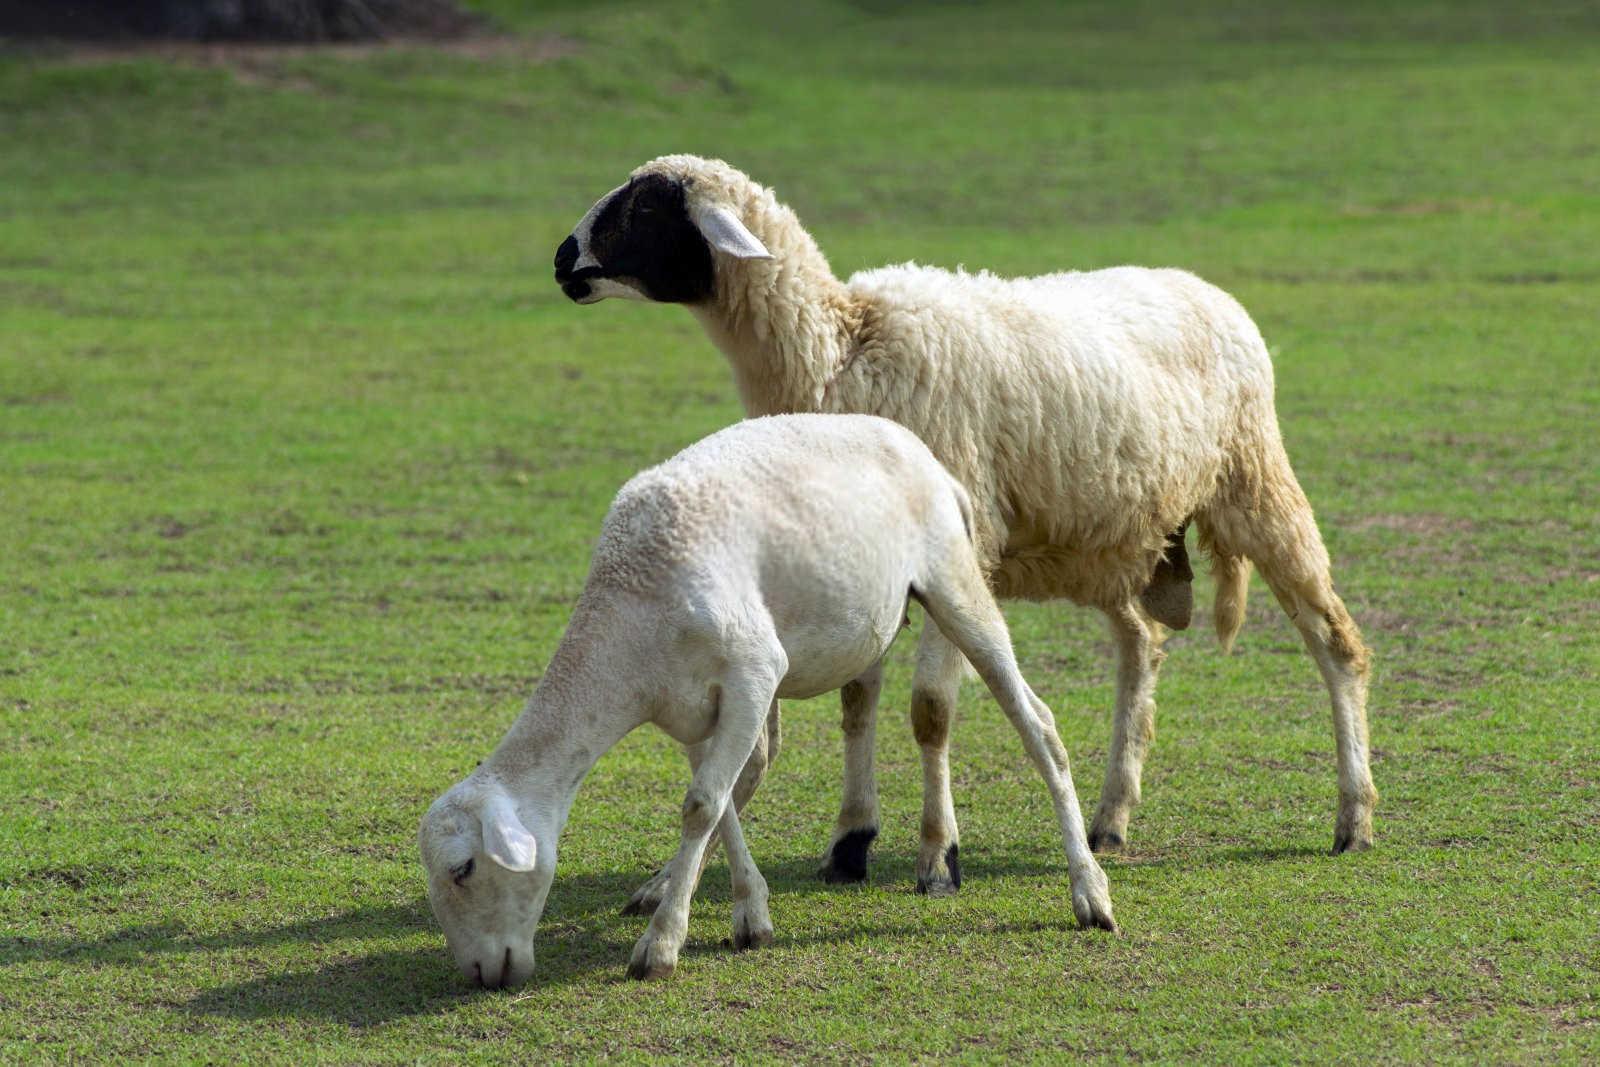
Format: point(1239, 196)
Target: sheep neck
point(786, 325)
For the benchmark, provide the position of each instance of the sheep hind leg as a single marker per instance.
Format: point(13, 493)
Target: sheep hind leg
point(648, 896)
point(959, 601)
point(1139, 657)
point(934, 690)
point(858, 811)
point(752, 921)
point(1334, 642)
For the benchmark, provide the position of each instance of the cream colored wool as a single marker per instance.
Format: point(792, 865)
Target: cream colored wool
point(1088, 414)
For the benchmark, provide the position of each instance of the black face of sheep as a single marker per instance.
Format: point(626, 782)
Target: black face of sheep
point(637, 242)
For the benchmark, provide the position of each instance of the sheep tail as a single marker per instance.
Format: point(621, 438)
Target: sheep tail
point(1231, 575)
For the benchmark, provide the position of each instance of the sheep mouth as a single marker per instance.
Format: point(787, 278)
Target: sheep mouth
point(578, 290)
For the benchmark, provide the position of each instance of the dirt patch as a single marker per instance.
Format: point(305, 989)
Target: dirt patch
point(269, 64)
point(1565, 1016)
point(237, 20)
point(236, 55)
point(1384, 620)
point(1427, 525)
point(1423, 208)
point(1450, 1011)
point(1426, 708)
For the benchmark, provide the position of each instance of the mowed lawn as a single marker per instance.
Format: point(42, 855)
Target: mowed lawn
point(302, 455)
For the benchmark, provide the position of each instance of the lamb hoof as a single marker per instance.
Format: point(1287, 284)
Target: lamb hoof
point(1106, 840)
point(647, 898)
point(847, 859)
point(750, 931)
point(651, 959)
point(1091, 901)
point(945, 882)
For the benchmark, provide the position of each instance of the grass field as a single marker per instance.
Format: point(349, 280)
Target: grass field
point(302, 455)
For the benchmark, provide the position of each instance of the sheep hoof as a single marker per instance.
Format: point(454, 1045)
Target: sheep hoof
point(1349, 841)
point(647, 898)
point(1353, 831)
point(942, 883)
point(750, 931)
point(1106, 840)
point(651, 959)
point(1091, 901)
point(847, 859)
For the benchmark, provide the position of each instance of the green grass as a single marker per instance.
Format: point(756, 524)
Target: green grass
point(302, 455)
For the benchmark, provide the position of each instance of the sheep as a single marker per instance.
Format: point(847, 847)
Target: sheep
point(772, 559)
point(1090, 415)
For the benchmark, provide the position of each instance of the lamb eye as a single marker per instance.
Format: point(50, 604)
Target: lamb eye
point(460, 873)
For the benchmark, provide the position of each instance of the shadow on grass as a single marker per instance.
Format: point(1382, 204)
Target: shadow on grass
point(582, 934)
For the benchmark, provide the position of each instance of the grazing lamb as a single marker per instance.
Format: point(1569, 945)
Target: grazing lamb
point(774, 558)
point(1090, 415)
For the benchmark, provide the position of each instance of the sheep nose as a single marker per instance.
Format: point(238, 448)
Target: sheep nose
point(504, 973)
point(489, 977)
point(518, 969)
point(566, 256)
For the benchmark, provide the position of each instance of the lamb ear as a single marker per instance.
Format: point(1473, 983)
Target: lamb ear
point(505, 839)
point(724, 232)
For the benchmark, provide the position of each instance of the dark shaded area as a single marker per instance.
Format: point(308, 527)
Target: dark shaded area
point(233, 20)
point(1169, 598)
point(361, 984)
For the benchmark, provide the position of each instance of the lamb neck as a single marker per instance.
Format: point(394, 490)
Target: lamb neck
point(577, 713)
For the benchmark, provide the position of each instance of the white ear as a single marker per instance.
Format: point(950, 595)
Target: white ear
point(505, 839)
point(724, 232)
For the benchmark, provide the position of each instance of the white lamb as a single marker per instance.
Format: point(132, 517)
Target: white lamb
point(1091, 416)
point(774, 558)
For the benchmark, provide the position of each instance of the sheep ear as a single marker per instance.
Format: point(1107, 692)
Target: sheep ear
point(505, 839)
point(724, 232)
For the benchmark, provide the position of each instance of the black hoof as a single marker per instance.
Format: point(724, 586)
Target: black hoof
point(1106, 841)
point(847, 860)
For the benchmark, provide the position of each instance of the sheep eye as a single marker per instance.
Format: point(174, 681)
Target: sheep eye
point(461, 872)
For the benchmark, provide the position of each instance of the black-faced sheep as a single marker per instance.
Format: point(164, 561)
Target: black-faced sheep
point(1089, 415)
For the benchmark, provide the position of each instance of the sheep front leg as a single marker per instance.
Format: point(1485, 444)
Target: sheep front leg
point(1139, 656)
point(741, 712)
point(858, 812)
point(934, 689)
point(648, 896)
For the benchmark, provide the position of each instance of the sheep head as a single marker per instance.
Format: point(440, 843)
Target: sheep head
point(657, 237)
point(488, 877)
